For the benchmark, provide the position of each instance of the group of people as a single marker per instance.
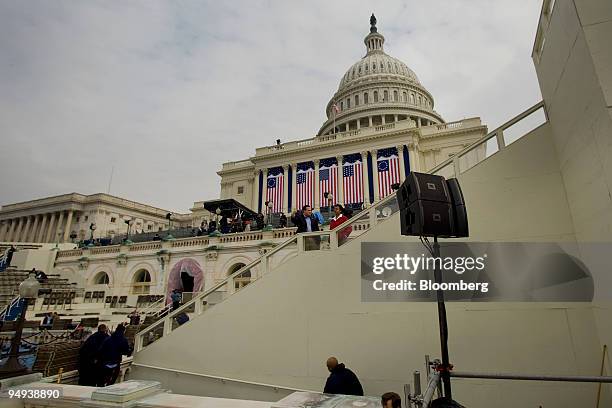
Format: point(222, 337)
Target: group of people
point(100, 356)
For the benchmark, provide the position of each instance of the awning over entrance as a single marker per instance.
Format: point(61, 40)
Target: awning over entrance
point(229, 207)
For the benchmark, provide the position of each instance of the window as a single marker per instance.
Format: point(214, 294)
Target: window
point(341, 105)
point(375, 96)
point(365, 97)
point(385, 96)
point(141, 282)
point(101, 279)
point(149, 227)
point(394, 96)
point(240, 189)
point(420, 99)
point(241, 280)
point(348, 103)
point(113, 219)
point(404, 99)
point(356, 100)
point(412, 98)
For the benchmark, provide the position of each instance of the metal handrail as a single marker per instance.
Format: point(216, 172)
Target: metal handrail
point(495, 133)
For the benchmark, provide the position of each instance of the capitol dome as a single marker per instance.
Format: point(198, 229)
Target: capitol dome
point(376, 90)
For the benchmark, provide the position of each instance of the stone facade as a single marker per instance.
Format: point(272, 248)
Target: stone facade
point(54, 219)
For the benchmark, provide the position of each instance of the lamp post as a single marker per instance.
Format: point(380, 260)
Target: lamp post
point(129, 223)
point(28, 289)
point(92, 228)
point(269, 205)
point(216, 232)
point(60, 233)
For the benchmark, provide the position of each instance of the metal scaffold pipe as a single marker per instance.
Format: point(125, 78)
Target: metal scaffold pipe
point(502, 376)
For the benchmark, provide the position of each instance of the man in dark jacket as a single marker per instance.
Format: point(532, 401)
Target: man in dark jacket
point(109, 356)
point(341, 380)
point(305, 221)
point(87, 356)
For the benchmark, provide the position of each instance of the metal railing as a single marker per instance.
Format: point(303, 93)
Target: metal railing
point(478, 151)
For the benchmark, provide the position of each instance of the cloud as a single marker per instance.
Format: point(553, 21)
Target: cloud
point(164, 92)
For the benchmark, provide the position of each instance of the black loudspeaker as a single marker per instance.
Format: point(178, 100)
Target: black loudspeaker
point(422, 186)
point(459, 211)
point(427, 218)
point(432, 206)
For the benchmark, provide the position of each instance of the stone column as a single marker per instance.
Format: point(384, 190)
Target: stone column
point(285, 206)
point(358, 124)
point(366, 180)
point(41, 231)
point(60, 224)
point(4, 230)
point(382, 118)
point(395, 118)
point(375, 175)
point(254, 191)
point(34, 232)
point(316, 204)
point(11, 234)
point(264, 191)
point(69, 222)
point(26, 229)
point(419, 122)
point(294, 186)
point(50, 227)
point(370, 121)
point(414, 155)
point(340, 189)
point(400, 154)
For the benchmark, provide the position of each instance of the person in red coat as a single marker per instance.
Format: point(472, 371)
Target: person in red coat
point(338, 219)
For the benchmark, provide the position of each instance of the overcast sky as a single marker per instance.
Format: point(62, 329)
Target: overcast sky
point(165, 92)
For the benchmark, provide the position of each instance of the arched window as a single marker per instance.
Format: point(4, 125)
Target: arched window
point(101, 278)
point(375, 96)
point(356, 100)
point(341, 105)
point(404, 99)
point(420, 100)
point(241, 280)
point(348, 103)
point(365, 97)
point(394, 96)
point(141, 282)
point(412, 98)
point(385, 96)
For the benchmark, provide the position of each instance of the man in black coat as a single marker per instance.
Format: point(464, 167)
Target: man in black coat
point(87, 356)
point(109, 356)
point(304, 220)
point(341, 380)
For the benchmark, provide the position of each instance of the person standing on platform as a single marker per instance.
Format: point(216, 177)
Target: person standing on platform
point(176, 299)
point(87, 356)
point(109, 356)
point(340, 218)
point(341, 380)
point(282, 221)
